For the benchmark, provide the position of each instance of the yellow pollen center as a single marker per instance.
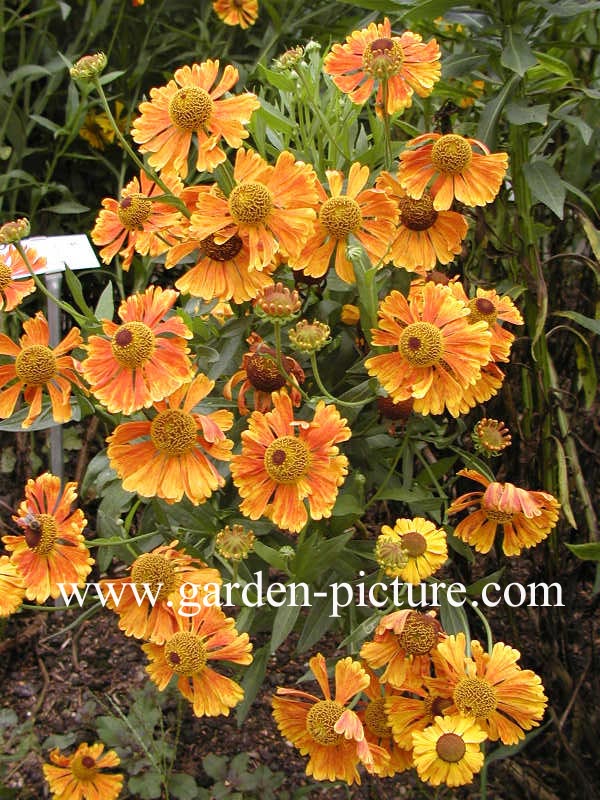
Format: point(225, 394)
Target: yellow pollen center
point(84, 768)
point(417, 215)
point(287, 459)
point(421, 344)
point(450, 747)
point(482, 308)
point(383, 58)
point(495, 515)
point(174, 432)
point(133, 211)
point(222, 252)
point(451, 154)
point(419, 635)
point(250, 203)
point(263, 373)
point(414, 543)
point(35, 365)
point(321, 719)
point(475, 697)
point(376, 719)
point(190, 108)
point(133, 344)
point(5, 275)
point(157, 571)
point(40, 535)
point(186, 653)
point(340, 216)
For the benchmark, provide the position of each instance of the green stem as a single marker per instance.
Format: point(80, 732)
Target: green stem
point(322, 118)
point(317, 377)
point(279, 361)
point(488, 630)
point(387, 132)
point(391, 471)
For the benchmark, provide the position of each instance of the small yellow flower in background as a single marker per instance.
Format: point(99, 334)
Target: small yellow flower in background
point(449, 751)
point(526, 517)
point(451, 166)
point(98, 130)
point(207, 636)
point(350, 314)
point(51, 548)
point(14, 231)
point(12, 587)
point(490, 436)
point(475, 90)
point(78, 777)
point(423, 545)
point(192, 106)
point(38, 367)
point(234, 543)
point(237, 12)
point(374, 55)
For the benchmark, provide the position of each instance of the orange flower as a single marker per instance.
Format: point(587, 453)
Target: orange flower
point(374, 57)
point(369, 214)
point(424, 236)
point(494, 309)
point(407, 713)
point(403, 644)
point(221, 271)
point(388, 758)
point(278, 470)
point(237, 12)
point(144, 359)
point(504, 699)
point(450, 167)
point(192, 103)
point(164, 570)
point(77, 777)
point(326, 730)
point(137, 223)
point(12, 587)
point(15, 280)
point(271, 208)
point(526, 517)
point(260, 373)
point(36, 367)
point(438, 352)
point(168, 456)
point(51, 549)
point(207, 636)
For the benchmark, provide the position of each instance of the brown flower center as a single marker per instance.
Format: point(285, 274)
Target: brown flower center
point(133, 344)
point(222, 252)
point(174, 432)
point(35, 365)
point(376, 718)
point(186, 653)
point(263, 373)
point(475, 697)
point(250, 203)
point(190, 108)
point(383, 58)
point(321, 719)
point(450, 747)
point(421, 344)
point(5, 275)
point(417, 215)
point(451, 154)
point(133, 211)
point(482, 308)
point(414, 543)
point(287, 459)
point(157, 571)
point(419, 635)
point(40, 534)
point(84, 768)
point(340, 216)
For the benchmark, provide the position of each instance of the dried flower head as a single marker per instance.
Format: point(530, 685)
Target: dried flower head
point(491, 437)
point(310, 337)
point(278, 303)
point(235, 543)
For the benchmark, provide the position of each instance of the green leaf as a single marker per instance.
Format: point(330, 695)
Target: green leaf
point(585, 322)
point(586, 552)
point(76, 290)
point(586, 371)
point(475, 589)
point(546, 185)
point(517, 54)
point(520, 113)
point(270, 556)
point(365, 275)
point(45, 420)
point(105, 307)
point(68, 207)
point(593, 235)
point(251, 684)
point(563, 483)
point(506, 751)
point(318, 622)
point(552, 64)
point(454, 620)
point(488, 121)
point(277, 79)
point(147, 786)
point(285, 619)
point(347, 505)
point(183, 786)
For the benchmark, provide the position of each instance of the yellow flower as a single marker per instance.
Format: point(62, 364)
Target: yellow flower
point(448, 751)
